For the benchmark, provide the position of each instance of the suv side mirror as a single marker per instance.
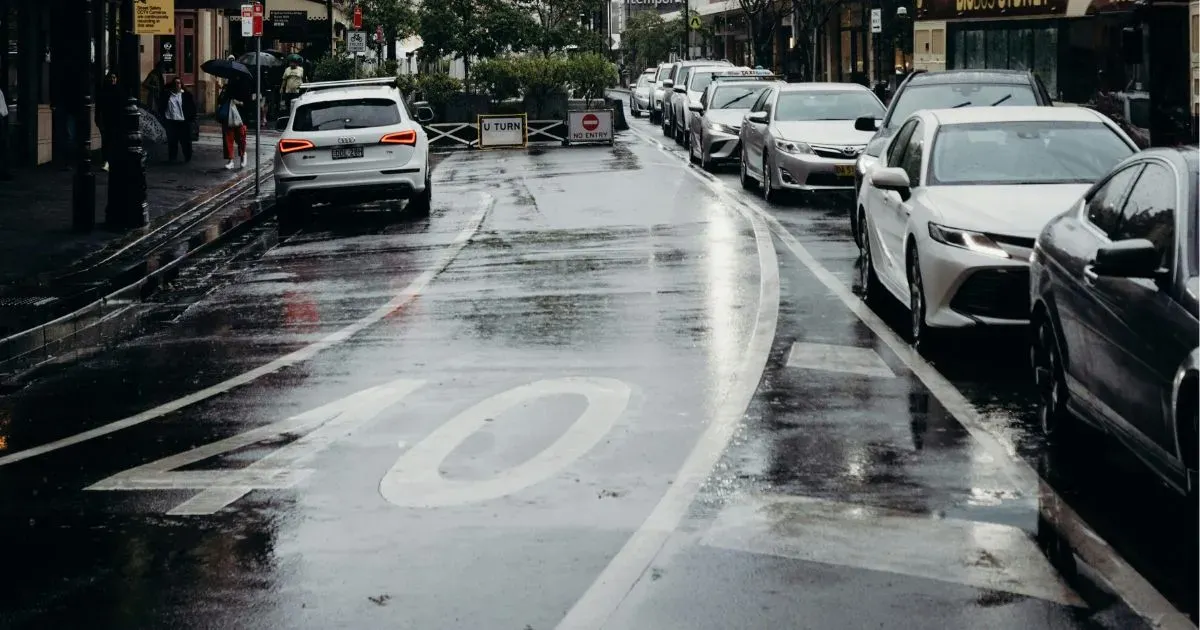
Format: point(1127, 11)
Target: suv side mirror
point(866, 123)
point(668, 84)
point(281, 123)
point(894, 179)
point(424, 114)
point(696, 107)
point(1131, 258)
point(680, 89)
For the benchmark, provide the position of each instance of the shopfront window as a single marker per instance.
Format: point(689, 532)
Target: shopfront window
point(1011, 47)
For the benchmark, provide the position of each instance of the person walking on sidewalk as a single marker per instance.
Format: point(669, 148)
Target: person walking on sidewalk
point(178, 109)
point(293, 78)
point(110, 109)
point(154, 84)
point(233, 129)
point(4, 173)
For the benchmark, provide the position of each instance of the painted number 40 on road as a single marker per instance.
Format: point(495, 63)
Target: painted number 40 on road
point(414, 480)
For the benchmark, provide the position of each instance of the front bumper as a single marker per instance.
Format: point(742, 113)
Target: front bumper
point(966, 288)
point(719, 146)
point(806, 171)
point(351, 187)
point(643, 102)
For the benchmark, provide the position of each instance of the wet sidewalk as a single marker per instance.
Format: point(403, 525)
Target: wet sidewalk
point(37, 242)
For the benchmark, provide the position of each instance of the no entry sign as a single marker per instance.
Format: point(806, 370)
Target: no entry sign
point(593, 126)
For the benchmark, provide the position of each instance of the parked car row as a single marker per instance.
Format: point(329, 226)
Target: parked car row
point(978, 203)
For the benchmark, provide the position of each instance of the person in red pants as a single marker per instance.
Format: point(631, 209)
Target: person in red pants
point(232, 127)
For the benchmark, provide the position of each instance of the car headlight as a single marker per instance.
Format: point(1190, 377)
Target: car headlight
point(966, 239)
point(718, 127)
point(795, 148)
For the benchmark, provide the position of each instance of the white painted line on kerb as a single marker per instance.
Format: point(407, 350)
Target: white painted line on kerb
point(626, 568)
point(1134, 590)
point(303, 354)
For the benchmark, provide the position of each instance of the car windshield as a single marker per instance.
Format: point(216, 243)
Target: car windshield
point(644, 80)
point(736, 96)
point(700, 80)
point(1056, 152)
point(361, 113)
point(951, 95)
point(833, 105)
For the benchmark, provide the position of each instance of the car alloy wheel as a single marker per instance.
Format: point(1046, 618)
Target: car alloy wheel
point(1049, 378)
point(868, 279)
point(748, 182)
point(768, 191)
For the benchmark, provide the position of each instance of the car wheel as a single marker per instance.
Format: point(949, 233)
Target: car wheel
point(706, 162)
point(1049, 377)
point(691, 153)
point(769, 193)
point(856, 221)
point(920, 334)
point(422, 204)
point(666, 126)
point(748, 183)
point(872, 289)
point(637, 113)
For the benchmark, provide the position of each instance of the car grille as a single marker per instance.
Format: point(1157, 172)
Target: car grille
point(829, 179)
point(999, 293)
point(835, 152)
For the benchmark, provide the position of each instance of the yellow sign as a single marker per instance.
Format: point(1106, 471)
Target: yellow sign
point(695, 23)
point(154, 17)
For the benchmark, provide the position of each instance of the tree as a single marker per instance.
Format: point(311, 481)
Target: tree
point(810, 17)
point(473, 29)
point(763, 17)
point(648, 39)
point(397, 17)
point(561, 25)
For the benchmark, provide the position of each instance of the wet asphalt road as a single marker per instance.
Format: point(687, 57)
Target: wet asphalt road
point(593, 390)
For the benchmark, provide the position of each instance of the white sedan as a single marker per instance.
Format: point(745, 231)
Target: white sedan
point(952, 214)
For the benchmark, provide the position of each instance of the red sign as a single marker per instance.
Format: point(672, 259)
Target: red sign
point(258, 19)
point(590, 122)
point(357, 17)
point(379, 34)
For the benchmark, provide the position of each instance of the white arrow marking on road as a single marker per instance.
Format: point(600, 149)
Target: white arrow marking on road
point(280, 469)
point(847, 359)
point(415, 481)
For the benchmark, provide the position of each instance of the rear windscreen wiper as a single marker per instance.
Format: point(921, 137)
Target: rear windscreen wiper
point(1006, 97)
point(961, 105)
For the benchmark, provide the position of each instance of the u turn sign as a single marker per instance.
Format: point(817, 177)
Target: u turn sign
point(509, 130)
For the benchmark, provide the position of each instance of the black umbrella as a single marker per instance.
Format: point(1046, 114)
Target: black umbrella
point(267, 59)
point(225, 69)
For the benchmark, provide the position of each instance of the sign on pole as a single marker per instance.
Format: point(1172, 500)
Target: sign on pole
point(357, 17)
point(503, 131)
point(695, 23)
point(378, 34)
point(590, 126)
point(252, 20)
point(154, 17)
point(356, 42)
point(876, 20)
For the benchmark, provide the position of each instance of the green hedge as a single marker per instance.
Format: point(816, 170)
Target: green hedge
point(535, 77)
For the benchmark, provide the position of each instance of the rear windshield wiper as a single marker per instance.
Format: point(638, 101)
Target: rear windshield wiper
point(961, 105)
point(1006, 97)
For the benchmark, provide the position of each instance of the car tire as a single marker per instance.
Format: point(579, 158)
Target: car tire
point(422, 204)
point(923, 338)
point(666, 126)
point(637, 113)
point(856, 222)
point(871, 287)
point(1049, 377)
point(706, 162)
point(692, 154)
point(748, 183)
point(770, 194)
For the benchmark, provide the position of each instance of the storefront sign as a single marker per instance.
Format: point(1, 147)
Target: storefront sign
point(154, 17)
point(166, 55)
point(289, 19)
point(502, 131)
point(956, 9)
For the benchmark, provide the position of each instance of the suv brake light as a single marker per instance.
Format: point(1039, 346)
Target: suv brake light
point(407, 136)
point(292, 145)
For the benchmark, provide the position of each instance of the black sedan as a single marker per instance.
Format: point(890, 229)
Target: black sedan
point(1113, 287)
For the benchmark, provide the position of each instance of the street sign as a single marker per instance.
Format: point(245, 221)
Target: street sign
point(356, 42)
point(695, 23)
point(592, 126)
point(252, 20)
point(378, 34)
point(503, 131)
point(357, 17)
point(876, 20)
point(154, 17)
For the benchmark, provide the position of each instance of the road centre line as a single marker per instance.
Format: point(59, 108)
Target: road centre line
point(609, 589)
point(1121, 578)
point(398, 301)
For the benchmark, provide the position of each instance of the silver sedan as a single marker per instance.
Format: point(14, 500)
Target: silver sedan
point(717, 121)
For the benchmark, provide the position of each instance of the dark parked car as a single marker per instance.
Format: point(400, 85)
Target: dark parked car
point(1113, 288)
point(942, 90)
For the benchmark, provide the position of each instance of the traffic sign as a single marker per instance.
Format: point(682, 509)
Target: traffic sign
point(378, 34)
point(695, 23)
point(876, 20)
point(252, 20)
point(590, 122)
point(587, 127)
point(356, 42)
point(357, 17)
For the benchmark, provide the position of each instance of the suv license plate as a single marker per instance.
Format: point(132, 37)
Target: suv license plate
point(346, 153)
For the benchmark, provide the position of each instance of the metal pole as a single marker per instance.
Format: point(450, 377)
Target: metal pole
point(83, 198)
point(257, 114)
point(687, 29)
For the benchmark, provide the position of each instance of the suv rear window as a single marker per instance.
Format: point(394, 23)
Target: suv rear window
point(950, 95)
point(361, 113)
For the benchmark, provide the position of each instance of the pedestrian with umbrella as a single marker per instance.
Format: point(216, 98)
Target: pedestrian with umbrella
point(233, 129)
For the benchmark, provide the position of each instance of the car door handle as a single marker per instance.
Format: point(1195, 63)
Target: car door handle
point(1089, 275)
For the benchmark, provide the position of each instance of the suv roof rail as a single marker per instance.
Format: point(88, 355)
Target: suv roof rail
point(329, 85)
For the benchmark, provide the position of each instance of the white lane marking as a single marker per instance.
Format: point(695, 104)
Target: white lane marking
point(982, 555)
point(279, 469)
point(415, 481)
point(1133, 589)
point(397, 302)
point(830, 358)
point(603, 597)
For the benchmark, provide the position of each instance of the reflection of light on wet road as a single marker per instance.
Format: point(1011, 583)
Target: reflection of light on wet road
point(723, 267)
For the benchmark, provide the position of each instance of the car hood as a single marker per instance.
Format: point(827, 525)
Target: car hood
point(1020, 210)
point(731, 117)
point(823, 132)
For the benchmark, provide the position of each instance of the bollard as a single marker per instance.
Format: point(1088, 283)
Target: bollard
point(127, 207)
point(618, 108)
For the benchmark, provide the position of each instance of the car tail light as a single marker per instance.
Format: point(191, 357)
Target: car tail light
point(291, 146)
point(400, 137)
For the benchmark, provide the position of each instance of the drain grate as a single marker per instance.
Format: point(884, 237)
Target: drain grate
point(9, 302)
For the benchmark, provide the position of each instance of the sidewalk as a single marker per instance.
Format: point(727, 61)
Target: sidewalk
point(36, 240)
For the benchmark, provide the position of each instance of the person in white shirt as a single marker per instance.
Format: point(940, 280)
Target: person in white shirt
point(178, 110)
point(4, 173)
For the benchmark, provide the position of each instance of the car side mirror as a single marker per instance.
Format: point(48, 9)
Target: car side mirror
point(679, 89)
point(696, 107)
point(281, 123)
point(668, 84)
point(757, 117)
point(424, 114)
point(866, 123)
point(894, 179)
point(1131, 258)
